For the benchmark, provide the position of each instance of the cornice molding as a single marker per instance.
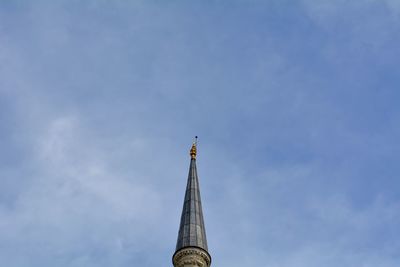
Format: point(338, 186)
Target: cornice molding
point(191, 256)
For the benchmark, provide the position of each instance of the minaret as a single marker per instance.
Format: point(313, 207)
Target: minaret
point(191, 246)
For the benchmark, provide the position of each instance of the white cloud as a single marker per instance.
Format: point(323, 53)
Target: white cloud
point(75, 203)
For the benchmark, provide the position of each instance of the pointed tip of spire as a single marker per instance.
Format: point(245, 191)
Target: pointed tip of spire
point(193, 150)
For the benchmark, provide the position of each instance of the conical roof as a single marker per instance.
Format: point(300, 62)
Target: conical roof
point(192, 232)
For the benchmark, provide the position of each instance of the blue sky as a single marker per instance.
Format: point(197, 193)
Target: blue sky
point(296, 105)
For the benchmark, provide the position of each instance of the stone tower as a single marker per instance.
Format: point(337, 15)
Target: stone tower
point(191, 246)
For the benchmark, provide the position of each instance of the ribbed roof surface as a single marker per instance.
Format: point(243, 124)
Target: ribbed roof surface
point(192, 232)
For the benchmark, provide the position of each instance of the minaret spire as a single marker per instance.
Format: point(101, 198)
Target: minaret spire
point(191, 245)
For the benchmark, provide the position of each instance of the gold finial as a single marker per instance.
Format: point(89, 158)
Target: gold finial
point(193, 150)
